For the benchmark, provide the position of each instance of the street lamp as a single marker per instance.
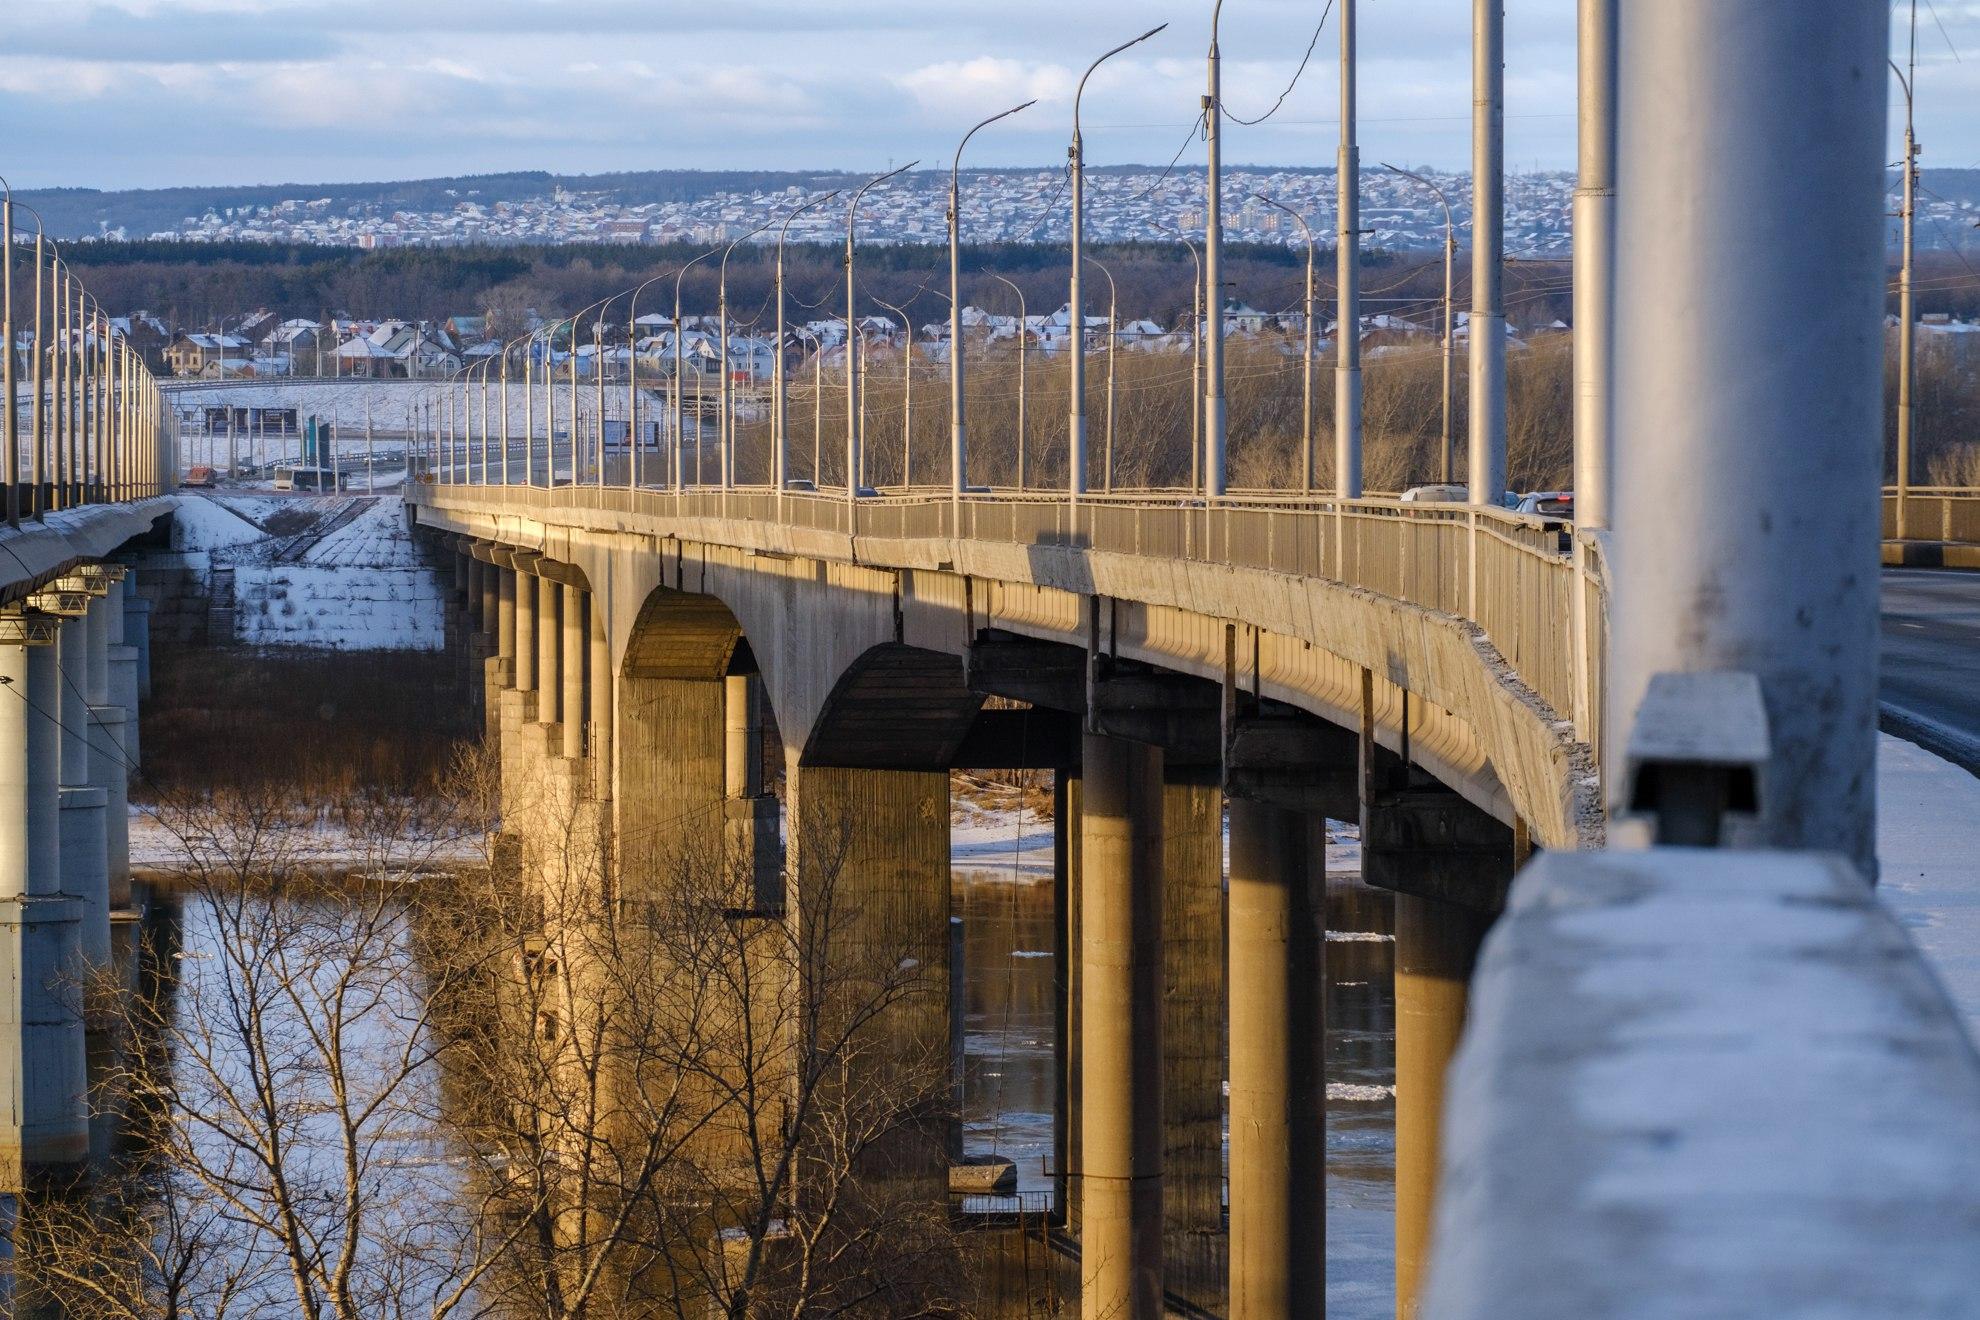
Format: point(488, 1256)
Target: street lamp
point(907, 389)
point(725, 425)
point(1450, 333)
point(1906, 366)
point(680, 411)
point(1023, 329)
point(1306, 395)
point(1213, 274)
point(780, 406)
point(853, 437)
point(1347, 284)
point(958, 442)
point(1076, 437)
point(1113, 336)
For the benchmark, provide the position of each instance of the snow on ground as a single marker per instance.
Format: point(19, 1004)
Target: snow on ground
point(1928, 846)
point(339, 608)
point(201, 523)
point(172, 842)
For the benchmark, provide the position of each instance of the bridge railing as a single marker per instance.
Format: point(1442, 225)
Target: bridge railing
point(1516, 576)
point(1934, 513)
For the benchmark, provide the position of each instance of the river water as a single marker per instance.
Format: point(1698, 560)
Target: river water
point(1011, 1071)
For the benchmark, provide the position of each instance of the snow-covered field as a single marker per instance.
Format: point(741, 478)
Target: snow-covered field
point(335, 571)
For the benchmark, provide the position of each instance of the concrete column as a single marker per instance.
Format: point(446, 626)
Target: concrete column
point(86, 868)
point(526, 632)
point(97, 689)
point(1193, 1030)
point(505, 631)
point(137, 633)
point(110, 773)
point(670, 801)
point(1436, 945)
point(124, 693)
point(549, 680)
point(44, 761)
point(1066, 797)
point(1278, 1085)
point(491, 601)
point(72, 651)
point(474, 595)
point(602, 681)
point(1121, 1135)
point(573, 672)
point(870, 901)
point(742, 736)
point(1748, 449)
point(42, 1053)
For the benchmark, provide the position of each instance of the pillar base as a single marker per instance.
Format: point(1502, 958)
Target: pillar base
point(42, 1050)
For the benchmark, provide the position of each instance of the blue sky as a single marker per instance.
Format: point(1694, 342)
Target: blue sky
point(147, 93)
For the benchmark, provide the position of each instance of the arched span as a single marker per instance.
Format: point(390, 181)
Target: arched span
point(895, 708)
point(681, 635)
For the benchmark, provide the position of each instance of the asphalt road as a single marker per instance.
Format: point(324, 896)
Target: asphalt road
point(1930, 685)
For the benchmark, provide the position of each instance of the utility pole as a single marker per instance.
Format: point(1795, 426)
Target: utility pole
point(1487, 476)
point(1213, 276)
point(1347, 281)
point(1594, 260)
point(1907, 354)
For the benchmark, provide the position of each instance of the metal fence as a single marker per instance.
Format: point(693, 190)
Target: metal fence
point(1934, 513)
point(1516, 576)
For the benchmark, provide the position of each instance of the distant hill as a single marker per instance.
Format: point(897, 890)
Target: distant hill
point(141, 212)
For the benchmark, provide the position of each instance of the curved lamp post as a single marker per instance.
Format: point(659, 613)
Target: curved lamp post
point(725, 425)
point(1306, 390)
point(1023, 328)
point(1113, 336)
point(779, 416)
point(680, 410)
point(958, 441)
point(1076, 318)
point(852, 335)
point(1449, 457)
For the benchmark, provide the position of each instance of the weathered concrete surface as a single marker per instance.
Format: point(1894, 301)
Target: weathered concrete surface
point(811, 602)
point(1707, 1083)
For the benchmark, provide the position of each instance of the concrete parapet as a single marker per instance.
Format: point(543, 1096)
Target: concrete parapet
point(1707, 1083)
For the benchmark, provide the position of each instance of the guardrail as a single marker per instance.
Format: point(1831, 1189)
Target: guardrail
point(1934, 513)
point(1514, 575)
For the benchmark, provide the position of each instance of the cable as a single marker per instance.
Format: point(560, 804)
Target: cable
point(1310, 46)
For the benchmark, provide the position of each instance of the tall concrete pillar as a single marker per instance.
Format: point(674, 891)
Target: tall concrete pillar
point(474, 596)
point(72, 709)
point(549, 647)
point(1278, 1244)
point(44, 1117)
point(670, 799)
point(750, 813)
point(1066, 797)
point(491, 602)
point(1193, 1030)
point(870, 903)
point(602, 682)
point(86, 868)
point(124, 692)
point(137, 633)
point(110, 774)
point(97, 690)
point(1436, 946)
point(573, 671)
point(525, 631)
point(505, 623)
point(1121, 1137)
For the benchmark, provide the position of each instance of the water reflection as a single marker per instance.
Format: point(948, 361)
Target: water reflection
point(1010, 1068)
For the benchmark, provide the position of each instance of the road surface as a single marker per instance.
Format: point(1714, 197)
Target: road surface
point(1930, 684)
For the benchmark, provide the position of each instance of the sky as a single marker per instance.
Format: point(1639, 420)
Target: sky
point(156, 93)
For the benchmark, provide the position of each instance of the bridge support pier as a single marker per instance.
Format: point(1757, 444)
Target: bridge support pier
point(1278, 1244)
point(572, 707)
point(526, 643)
point(869, 902)
point(84, 858)
point(1121, 1055)
point(1192, 1030)
point(42, 1063)
point(749, 813)
point(549, 680)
